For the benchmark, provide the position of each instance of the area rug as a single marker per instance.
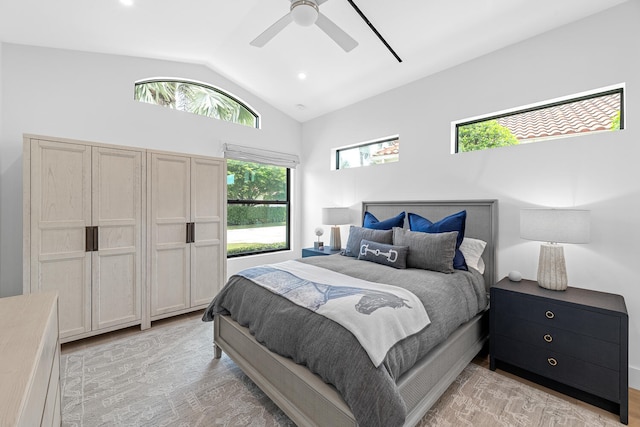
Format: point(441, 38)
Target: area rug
point(167, 376)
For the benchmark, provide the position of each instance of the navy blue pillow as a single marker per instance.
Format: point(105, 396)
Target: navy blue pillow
point(454, 222)
point(371, 221)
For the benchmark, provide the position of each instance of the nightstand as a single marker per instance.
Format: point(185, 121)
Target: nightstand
point(573, 341)
point(307, 252)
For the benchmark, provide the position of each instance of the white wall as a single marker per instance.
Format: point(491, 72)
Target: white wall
point(89, 97)
point(597, 172)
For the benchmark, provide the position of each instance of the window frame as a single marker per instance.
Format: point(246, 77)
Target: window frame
point(336, 151)
point(234, 98)
point(286, 203)
point(596, 93)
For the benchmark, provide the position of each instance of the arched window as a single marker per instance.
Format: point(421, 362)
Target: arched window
point(197, 98)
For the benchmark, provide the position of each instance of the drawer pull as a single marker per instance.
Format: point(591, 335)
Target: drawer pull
point(548, 338)
point(550, 314)
point(552, 361)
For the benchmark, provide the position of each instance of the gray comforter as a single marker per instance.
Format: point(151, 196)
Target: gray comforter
point(333, 353)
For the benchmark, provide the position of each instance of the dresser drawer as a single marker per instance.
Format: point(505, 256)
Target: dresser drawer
point(550, 338)
point(569, 370)
point(577, 319)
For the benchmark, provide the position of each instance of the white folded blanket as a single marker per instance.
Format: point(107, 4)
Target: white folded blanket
point(378, 315)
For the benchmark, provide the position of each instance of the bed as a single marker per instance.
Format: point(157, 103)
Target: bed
point(307, 397)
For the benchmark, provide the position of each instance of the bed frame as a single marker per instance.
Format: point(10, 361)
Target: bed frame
point(308, 400)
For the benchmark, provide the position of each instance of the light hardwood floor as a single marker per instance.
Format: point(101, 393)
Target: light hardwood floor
point(634, 395)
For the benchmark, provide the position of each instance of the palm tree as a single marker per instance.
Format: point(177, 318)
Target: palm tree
point(159, 93)
point(196, 99)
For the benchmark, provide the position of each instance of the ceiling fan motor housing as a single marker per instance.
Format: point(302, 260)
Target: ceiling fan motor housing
point(304, 12)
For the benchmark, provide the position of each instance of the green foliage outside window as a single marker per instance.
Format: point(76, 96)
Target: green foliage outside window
point(257, 200)
point(255, 181)
point(615, 122)
point(196, 99)
point(483, 135)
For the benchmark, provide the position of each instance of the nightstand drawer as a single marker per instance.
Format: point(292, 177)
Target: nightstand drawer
point(573, 318)
point(550, 338)
point(569, 370)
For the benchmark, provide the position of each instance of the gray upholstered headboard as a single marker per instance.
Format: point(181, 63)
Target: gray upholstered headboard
point(482, 222)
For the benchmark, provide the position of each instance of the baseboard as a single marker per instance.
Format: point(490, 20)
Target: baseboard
point(634, 378)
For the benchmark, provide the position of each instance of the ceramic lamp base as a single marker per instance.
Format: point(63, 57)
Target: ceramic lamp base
point(552, 270)
point(335, 239)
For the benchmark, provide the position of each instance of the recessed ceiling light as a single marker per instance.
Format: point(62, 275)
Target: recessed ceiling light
point(301, 107)
point(127, 2)
point(302, 76)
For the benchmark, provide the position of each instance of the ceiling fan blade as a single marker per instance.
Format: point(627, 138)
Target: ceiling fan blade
point(272, 31)
point(344, 40)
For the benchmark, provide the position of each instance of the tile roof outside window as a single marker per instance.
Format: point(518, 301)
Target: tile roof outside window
point(589, 115)
point(387, 151)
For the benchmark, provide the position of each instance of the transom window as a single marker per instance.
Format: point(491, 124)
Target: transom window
point(385, 150)
point(196, 98)
point(599, 111)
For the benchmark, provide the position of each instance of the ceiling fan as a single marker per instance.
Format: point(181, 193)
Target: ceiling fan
point(307, 13)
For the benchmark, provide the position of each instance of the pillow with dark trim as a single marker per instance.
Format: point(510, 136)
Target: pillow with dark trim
point(428, 251)
point(380, 253)
point(356, 234)
point(454, 222)
point(370, 221)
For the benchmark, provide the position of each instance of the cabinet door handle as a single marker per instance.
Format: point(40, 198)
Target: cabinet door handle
point(552, 361)
point(548, 338)
point(550, 314)
point(95, 238)
point(88, 239)
point(91, 239)
point(191, 232)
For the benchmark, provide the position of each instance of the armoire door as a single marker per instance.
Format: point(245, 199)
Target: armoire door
point(117, 212)
point(170, 276)
point(60, 213)
point(208, 204)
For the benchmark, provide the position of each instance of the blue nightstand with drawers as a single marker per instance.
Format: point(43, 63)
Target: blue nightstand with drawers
point(307, 252)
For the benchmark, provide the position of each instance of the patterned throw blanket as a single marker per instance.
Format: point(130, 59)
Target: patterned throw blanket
point(378, 315)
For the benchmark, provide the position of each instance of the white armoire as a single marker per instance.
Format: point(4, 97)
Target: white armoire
point(95, 221)
point(187, 228)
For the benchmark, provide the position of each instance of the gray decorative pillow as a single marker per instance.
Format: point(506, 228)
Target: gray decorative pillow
point(428, 251)
point(356, 234)
point(393, 256)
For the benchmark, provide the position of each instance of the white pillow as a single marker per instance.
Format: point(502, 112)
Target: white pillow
point(472, 250)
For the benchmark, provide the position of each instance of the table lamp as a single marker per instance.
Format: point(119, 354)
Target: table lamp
point(335, 217)
point(554, 226)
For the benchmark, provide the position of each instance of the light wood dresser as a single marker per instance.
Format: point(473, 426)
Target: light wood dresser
point(29, 360)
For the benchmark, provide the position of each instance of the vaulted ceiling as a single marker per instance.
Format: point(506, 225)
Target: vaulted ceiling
point(429, 36)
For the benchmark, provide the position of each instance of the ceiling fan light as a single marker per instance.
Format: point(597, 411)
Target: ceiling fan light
point(304, 12)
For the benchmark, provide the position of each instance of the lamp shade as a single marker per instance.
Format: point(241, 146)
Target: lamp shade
point(555, 225)
point(335, 216)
